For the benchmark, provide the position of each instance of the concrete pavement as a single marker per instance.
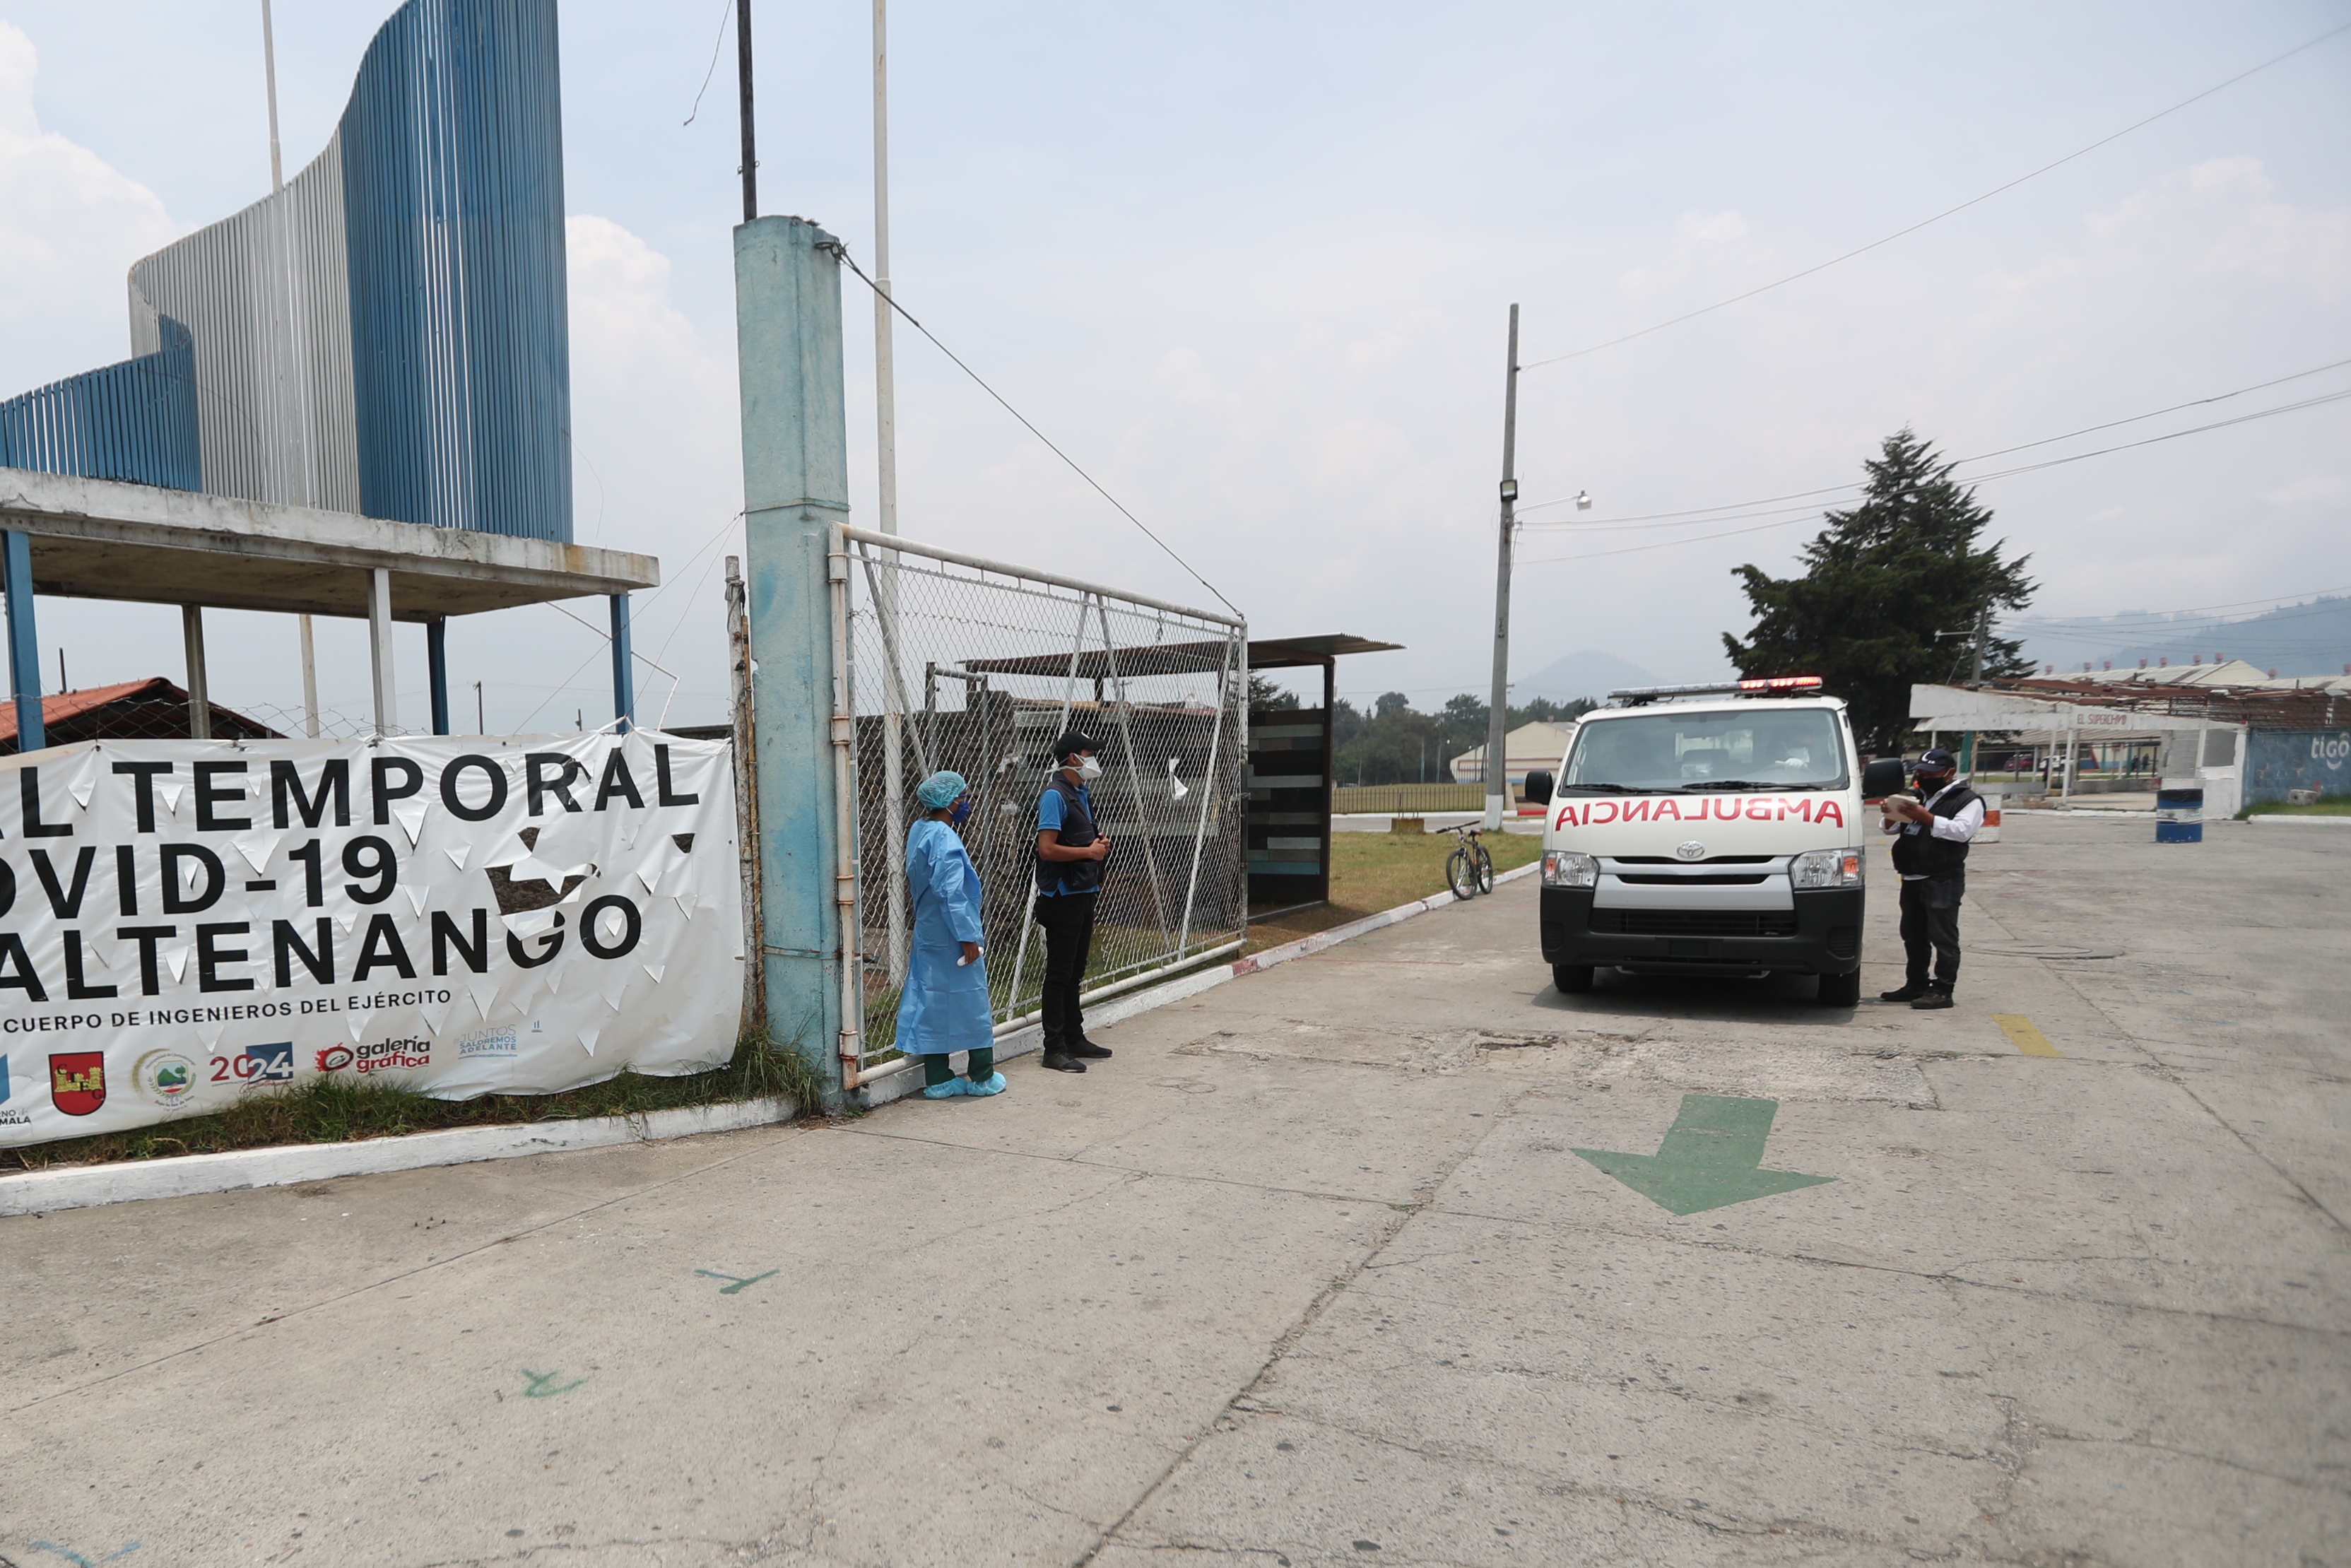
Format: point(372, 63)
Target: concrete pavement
point(1313, 1272)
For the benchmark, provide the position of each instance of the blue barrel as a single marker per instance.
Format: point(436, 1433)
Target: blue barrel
point(2179, 816)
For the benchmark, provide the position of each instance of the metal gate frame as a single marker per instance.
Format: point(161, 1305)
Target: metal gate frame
point(873, 556)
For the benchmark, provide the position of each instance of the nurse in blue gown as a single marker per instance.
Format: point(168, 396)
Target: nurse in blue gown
point(943, 1006)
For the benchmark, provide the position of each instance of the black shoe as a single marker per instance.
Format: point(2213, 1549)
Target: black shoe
point(1055, 1061)
point(1935, 997)
point(1088, 1049)
point(1906, 994)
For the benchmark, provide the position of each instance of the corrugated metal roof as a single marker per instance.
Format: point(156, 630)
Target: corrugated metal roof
point(83, 714)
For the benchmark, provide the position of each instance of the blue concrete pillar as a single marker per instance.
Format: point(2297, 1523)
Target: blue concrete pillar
point(24, 641)
point(437, 662)
point(795, 487)
point(625, 675)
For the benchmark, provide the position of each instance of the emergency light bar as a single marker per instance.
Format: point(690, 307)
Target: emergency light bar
point(1635, 695)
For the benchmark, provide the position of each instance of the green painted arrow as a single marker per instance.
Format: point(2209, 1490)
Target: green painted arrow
point(1710, 1157)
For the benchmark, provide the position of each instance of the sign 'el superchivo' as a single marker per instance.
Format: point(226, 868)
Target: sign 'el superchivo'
point(183, 923)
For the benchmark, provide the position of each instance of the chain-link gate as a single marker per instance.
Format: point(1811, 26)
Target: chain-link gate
point(978, 666)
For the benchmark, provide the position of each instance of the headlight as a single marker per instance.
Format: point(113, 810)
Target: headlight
point(1826, 868)
point(1565, 868)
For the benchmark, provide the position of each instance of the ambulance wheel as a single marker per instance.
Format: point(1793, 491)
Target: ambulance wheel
point(1574, 978)
point(1841, 991)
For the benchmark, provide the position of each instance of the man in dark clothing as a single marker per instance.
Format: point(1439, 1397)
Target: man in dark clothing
point(1070, 855)
point(1930, 854)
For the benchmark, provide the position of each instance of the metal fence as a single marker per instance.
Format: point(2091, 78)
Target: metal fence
point(135, 421)
point(978, 666)
point(1393, 798)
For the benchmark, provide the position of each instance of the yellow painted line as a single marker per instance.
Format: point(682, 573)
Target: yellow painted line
point(2022, 1034)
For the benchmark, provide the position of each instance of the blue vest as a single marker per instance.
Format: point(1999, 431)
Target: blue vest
point(1077, 831)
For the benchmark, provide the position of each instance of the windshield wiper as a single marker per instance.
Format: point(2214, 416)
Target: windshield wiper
point(1745, 784)
point(1608, 790)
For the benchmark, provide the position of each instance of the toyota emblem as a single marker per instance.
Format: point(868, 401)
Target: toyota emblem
point(1692, 851)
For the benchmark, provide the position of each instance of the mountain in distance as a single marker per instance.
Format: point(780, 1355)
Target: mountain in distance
point(1586, 674)
point(2308, 639)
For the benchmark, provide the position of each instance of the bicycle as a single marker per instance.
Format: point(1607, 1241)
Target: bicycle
point(1468, 869)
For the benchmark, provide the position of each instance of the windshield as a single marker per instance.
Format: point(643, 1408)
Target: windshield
point(1762, 748)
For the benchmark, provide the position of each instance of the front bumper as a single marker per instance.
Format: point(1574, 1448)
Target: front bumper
point(1821, 935)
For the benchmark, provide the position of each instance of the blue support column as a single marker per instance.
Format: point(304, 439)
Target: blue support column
point(625, 675)
point(24, 641)
point(795, 487)
point(436, 664)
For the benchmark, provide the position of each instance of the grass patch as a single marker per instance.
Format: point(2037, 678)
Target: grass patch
point(1375, 872)
point(2338, 807)
point(335, 1109)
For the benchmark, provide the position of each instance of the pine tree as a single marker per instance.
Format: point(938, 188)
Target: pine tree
point(1890, 595)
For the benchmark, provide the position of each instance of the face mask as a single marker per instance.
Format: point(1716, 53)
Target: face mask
point(1088, 768)
point(959, 812)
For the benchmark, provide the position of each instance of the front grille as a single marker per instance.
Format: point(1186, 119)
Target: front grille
point(1694, 922)
point(1726, 881)
point(1670, 860)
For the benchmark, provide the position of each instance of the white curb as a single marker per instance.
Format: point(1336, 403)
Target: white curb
point(121, 1181)
point(899, 1085)
point(2275, 817)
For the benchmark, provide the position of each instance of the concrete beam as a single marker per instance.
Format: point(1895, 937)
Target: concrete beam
point(96, 539)
point(199, 681)
point(387, 687)
point(24, 643)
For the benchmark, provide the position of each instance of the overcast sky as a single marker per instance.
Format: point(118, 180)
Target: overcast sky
point(1251, 264)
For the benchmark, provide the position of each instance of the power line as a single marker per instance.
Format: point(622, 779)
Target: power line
point(1974, 479)
point(1702, 514)
point(841, 252)
point(1694, 511)
point(638, 609)
point(1948, 211)
point(2168, 436)
point(726, 13)
point(2175, 408)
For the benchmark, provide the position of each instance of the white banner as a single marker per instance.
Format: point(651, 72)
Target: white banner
point(183, 923)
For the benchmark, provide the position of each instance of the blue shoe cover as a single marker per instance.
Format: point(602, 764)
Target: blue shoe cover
point(948, 1091)
point(982, 1087)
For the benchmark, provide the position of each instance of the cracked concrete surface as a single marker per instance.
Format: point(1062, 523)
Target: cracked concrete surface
point(1310, 1274)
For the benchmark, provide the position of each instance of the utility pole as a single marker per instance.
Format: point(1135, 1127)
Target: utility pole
point(278, 183)
point(1498, 722)
point(884, 364)
point(750, 170)
point(885, 445)
point(269, 71)
point(1975, 683)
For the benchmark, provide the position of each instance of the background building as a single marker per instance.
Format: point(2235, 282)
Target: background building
point(384, 337)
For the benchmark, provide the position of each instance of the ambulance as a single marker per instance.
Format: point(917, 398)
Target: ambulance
point(1709, 829)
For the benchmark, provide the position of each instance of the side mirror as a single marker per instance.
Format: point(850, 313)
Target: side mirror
point(1883, 777)
point(1539, 787)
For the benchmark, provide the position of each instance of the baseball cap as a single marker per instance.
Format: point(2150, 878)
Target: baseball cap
point(1935, 760)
